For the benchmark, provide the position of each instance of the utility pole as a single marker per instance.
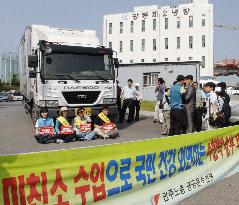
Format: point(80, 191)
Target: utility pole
point(5, 70)
point(10, 66)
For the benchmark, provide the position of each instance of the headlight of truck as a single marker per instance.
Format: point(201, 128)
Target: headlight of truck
point(48, 103)
point(109, 101)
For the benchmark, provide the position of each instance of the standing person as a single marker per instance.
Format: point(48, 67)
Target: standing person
point(45, 128)
point(82, 126)
point(119, 90)
point(64, 127)
point(177, 108)
point(226, 105)
point(189, 100)
point(211, 105)
point(128, 95)
point(223, 87)
point(160, 91)
point(104, 125)
point(199, 108)
point(166, 112)
point(139, 98)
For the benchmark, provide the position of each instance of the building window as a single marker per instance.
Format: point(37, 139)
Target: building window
point(143, 45)
point(154, 24)
point(110, 44)
point(203, 20)
point(142, 60)
point(131, 61)
point(178, 59)
point(178, 22)
point(191, 42)
point(166, 59)
point(154, 44)
point(154, 60)
point(166, 43)
point(150, 79)
point(190, 21)
point(121, 46)
point(131, 45)
point(203, 61)
point(121, 27)
point(190, 58)
point(143, 25)
point(178, 42)
point(131, 26)
point(166, 23)
point(110, 28)
point(203, 41)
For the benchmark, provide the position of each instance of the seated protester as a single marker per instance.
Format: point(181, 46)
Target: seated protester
point(64, 129)
point(82, 126)
point(104, 125)
point(45, 128)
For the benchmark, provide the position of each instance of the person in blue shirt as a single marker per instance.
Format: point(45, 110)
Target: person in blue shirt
point(45, 128)
point(177, 113)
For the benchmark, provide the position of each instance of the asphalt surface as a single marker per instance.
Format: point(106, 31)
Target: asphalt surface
point(16, 135)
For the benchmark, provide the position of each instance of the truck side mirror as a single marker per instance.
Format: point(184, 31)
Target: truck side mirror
point(32, 74)
point(32, 61)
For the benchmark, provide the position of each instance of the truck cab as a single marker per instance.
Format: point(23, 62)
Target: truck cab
point(68, 74)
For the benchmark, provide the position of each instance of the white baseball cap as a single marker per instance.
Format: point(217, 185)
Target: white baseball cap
point(64, 109)
point(137, 84)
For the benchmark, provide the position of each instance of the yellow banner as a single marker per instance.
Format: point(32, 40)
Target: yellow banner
point(156, 171)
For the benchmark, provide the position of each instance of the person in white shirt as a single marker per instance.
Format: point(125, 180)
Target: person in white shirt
point(138, 100)
point(166, 112)
point(211, 104)
point(128, 95)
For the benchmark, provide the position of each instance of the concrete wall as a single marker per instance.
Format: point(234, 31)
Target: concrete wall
point(168, 72)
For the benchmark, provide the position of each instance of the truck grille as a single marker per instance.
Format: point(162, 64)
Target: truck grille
point(81, 97)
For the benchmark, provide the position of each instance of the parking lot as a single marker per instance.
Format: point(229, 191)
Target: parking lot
point(17, 131)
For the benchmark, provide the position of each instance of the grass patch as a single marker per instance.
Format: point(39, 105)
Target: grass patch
point(148, 106)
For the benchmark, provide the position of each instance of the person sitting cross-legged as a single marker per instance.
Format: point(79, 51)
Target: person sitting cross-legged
point(64, 129)
point(45, 128)
point(104, 125)
point(82, 126)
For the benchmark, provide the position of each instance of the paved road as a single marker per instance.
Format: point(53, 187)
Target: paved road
point(16, 134)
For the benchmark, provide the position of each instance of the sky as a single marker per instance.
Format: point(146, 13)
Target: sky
point(15, 15)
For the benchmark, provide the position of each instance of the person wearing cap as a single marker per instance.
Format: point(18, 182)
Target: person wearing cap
point(104, 125)
point(177, 113)
point(128, 95)
point(189, 102)
point(63, 123)
point(80, 121)
point(211, 105)
point(45, 128)
point(138, 100)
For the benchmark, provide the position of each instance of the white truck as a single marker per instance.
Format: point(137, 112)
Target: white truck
point(65, 67)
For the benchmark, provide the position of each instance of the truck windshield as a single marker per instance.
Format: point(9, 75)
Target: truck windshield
point(59, 66)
